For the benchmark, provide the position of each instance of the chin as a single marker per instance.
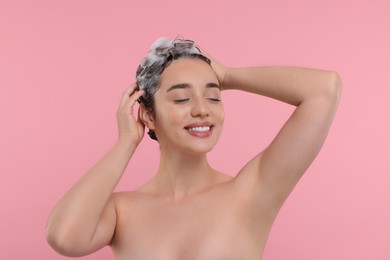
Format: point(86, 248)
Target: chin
point(200, 147)
point(197, 152)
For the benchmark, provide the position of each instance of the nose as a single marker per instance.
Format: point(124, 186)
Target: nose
point(199, 108)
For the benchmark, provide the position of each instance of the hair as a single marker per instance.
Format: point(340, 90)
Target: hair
point(162, 53)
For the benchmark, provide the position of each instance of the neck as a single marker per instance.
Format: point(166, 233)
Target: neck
point(180, 174)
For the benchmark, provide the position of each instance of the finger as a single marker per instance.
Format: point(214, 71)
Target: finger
point(129, 91)
point(207, 55)
point(136, 95)
point(132, 101)
point(201, 50)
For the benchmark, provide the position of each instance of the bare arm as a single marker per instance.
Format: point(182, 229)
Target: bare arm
point(315, 93)
point(84, 220)
point(274, 172)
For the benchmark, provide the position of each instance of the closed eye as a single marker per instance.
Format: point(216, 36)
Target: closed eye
point(214, 99)
point(181, 101)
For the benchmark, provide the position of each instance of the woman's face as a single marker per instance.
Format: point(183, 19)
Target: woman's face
point(189, 113)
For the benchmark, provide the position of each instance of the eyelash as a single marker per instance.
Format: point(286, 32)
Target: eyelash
point(181, 101)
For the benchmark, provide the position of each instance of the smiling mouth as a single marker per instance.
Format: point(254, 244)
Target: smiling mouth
point(199, 129)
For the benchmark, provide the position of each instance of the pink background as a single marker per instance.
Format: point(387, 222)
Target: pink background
point(64, 65)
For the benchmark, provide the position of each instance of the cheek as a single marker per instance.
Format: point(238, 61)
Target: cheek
point(220, 114)
point(168, 116)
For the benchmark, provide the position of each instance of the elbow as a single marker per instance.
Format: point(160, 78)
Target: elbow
point(333, 86)
point(59, 242)
point(63, 243)
point(337, 84)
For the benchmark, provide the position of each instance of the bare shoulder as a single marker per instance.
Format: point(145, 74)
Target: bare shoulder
point(125, 199)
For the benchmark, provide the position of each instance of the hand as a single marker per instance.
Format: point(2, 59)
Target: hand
point(129, 128)
point(219, 69)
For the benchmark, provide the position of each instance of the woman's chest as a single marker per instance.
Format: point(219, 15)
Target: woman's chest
point(204, 229)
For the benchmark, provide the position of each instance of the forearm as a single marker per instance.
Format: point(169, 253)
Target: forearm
point(77, 214)
point(292, 85)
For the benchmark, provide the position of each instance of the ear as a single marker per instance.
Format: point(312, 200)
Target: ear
point(147, 117)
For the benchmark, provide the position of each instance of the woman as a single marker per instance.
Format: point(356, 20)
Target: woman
point(189, 210)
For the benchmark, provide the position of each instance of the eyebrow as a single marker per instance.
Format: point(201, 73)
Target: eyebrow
point(187, 85)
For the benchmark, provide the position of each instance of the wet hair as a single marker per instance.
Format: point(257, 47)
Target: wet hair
point(160, 56)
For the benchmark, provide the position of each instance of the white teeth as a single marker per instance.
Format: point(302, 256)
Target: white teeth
point(200, 129)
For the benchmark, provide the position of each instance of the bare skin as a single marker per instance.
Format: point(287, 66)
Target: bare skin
point(189, 210)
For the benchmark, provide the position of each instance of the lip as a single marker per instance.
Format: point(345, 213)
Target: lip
point(200, 134)
point(199, 124)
